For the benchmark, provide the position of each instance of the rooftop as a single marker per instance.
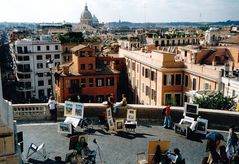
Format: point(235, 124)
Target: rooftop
point(116, 148)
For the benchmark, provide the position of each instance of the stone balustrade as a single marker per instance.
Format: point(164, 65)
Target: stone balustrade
point(146, 114)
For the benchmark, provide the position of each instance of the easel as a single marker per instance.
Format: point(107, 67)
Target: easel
point(36, 149)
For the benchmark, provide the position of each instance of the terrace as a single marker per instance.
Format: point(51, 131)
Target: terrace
point(33, 120)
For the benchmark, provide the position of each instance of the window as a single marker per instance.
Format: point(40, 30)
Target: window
point(110, 81)
point(56, 47)
point(99, 82)
point(90, 66)
point(39, 57)
point(83, 82)
point(152, 75)
point(153, 94)
point(19, 50)
point(137, 68)
point(194, 83)
point(133, 66)
point(168, 99)
point(233, 93)
point(39, 65)
point(91, 82)
point(26, 58)
point(49, 82)
point(41, 83)
point(57, 56)
point(177, 99)
point(146, 73)
point(38, 48)
point(171, 80)
point(143, 88)
point(41, 93)
point(164, 79)
point(178, 79)
point(117, 62)
point(186, 81)
point(47, 48)
point(206, 86)
point(147, 89)
point(82, 66)
point(48, 56)
point(142, 71)
point(40, 74)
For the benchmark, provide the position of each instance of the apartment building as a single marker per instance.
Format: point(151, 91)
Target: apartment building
point(155, 78)
point(172, 40)
point(161, 77)
point(85, 79)
point(31, 68)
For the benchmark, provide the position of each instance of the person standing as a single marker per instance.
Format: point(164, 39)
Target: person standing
point(52, 107)
point(123, 102)
point(232, 140)
point(167, 118)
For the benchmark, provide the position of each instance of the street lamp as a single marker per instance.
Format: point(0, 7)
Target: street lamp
point(50, 65)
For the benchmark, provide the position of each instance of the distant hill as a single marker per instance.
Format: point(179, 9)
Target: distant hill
point(167, 24)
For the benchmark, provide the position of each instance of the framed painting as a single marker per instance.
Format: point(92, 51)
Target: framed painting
point(64, 128)
point(119, 124)
point(131, 115)
point(79, 110)
point(68, 110)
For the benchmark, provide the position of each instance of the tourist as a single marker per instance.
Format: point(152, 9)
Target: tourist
point(167, 118)
point(213, 156)
point(111, 102)
point(175, 156)
point(123, 102)
point(53, 108)
point(223, 155)
point(232, 140)
point(83, 149)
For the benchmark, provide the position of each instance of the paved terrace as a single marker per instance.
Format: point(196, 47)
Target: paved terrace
point(117, 148)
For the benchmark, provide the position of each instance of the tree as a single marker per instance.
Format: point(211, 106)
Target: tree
point(215, 101)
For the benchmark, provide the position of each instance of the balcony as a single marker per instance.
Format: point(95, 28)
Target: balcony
point(24, 89)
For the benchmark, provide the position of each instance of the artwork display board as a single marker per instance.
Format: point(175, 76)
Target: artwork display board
point(131, 115)
point(75, 110)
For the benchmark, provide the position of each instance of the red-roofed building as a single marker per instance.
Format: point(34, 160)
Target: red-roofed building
point(85, 79)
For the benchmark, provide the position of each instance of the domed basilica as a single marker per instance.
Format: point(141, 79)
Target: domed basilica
point(87, 22)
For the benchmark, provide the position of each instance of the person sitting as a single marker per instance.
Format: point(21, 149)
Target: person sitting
point(123, 102)
point(223, 155)
point(175, 156)
point(83, 149)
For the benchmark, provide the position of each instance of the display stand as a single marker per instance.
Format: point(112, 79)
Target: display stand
point(36, 149)
point(191, 122)
point(130, 123)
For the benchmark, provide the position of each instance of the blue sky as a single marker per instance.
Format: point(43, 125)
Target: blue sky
point(113, 10)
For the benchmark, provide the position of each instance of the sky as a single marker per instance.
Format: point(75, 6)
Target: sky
point(125, 10)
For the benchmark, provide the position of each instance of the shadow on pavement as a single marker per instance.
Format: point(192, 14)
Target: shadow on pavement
point(128, 135)
point(48, 161)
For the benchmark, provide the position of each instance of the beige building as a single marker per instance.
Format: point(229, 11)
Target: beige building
point(162, 77)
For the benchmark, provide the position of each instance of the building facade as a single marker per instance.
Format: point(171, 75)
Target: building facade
point(162, 77)
point(85, 80)
point(31, 68)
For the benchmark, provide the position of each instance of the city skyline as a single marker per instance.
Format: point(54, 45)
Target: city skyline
point(133, 11)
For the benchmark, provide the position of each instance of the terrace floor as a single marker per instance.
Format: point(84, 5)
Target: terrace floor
point(116, 148)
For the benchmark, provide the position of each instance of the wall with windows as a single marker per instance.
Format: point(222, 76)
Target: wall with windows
point(31, 66)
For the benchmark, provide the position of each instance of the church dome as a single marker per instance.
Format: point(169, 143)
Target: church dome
point(86, 17)
point(95, 20)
